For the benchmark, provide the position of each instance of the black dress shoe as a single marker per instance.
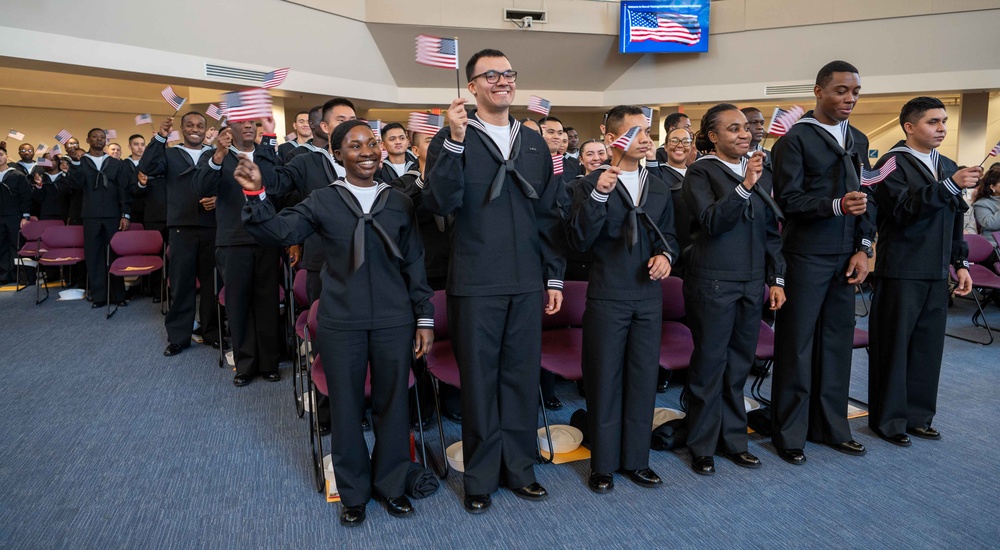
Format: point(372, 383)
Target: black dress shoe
point(850, 447)
point(703, 465)
point(645, 477)
point(324, 429)
point(351, 516)
point(156, 299)
point(792, 456)
point(241, 380)
point(900, 440)
point(215, 344)
point(661, 387)
point(553, 404)
point(744, 459)
point(601, 483)
point(121, 303)
point(96, 305)
point(365, 424)
point(924, 433)
point(535, 491)
point(477, 504)
point(453, 416)
point(172, 349)
point(398, 506)
point(271, 376)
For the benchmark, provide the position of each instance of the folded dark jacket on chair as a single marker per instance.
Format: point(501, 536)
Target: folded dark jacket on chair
point(669, 435)
point(420, 482)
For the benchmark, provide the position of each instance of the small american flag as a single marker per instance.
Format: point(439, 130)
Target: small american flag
point(648, 113)
point(385, 155)
point(290, 137)
point(664, 27)
point(110, 134)
point(247, 105)
point(376, 126)
point(143, 119)
point(996, 150)
point(56, 149)
point(437, 52)
point(45, 163)
point(539, 105)
point(63, 136)
point(424, 123)
point(174, 136)
point(15, 134)
point(870, 178)
point(40, 150)
point(557, 164)
point(173, 99)
point(214, 111)
point(626, 139)
point(274, 78)
point(783, 120)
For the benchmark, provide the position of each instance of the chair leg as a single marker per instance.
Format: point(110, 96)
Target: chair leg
point(108, 298)
point(420, 421)
point(548, 432)
point(298, 389)
point(218, 317)
point(39, 278)
point(979, 313)
point(446, 469)
point(864, 301)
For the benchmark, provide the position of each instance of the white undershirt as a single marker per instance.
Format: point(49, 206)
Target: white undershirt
point(399, 168)
point(835, 130)
point(28, 167)
point(500, 136)
point(681, 171)
point(98, 161)
point(249, 154)
point(926, 159)
point(736, 167)
point(3, 173)
point(365, 195)
point(631, 182)
point(195, 154)
point(135, 162)
point(54, 177)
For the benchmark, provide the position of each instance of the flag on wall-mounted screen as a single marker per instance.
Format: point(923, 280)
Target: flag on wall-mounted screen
point(664, 26)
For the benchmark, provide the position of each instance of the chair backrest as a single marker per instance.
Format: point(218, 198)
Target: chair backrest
point(63, 236)
point(299, 289)
point(32, 231)
point(312, 319)
point(996, 239)
point(573, 305)
point(136, 226)
point(137, 243)
point(673, 298)
point(979, 248)
point(440, 303)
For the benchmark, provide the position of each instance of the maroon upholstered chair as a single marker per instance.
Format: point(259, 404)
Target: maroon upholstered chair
point(984, 282)
point(62, 245)
point(562, 334)
point(676, 341)
point(32, 250)
point(139, 253)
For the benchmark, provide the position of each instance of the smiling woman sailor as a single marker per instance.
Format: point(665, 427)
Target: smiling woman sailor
point(375, 304)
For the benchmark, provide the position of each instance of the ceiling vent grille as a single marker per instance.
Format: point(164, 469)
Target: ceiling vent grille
point(221, 71)
point(789, 89)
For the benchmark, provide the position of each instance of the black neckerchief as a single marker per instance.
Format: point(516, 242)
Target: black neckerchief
point(845, 152)
point(358, 244)
point(635, 212)
point(507, 166)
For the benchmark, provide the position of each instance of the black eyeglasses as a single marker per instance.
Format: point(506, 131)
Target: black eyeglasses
point(677, 141)
point(493, 76)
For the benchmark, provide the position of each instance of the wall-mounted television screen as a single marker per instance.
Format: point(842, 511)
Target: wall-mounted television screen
point(664, 26)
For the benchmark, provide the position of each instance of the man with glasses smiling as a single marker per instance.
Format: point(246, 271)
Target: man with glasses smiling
point(495, 179)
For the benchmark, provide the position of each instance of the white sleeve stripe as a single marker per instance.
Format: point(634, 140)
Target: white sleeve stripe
point(159, 138)
point(780, 281)
point(429, 323)
point(836, 208)
point(598, 196)
point(554, 283)
point(952, 188)
point(742, 192)
point(454, 147)
point(213, 166)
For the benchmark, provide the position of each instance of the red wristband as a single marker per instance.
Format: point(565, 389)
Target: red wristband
point(253, 193)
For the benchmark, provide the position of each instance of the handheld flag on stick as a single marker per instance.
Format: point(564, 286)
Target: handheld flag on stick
point(41, 149)
point(56, 150)
point(783, 120)
point(143, 119)
point(173, 99)
point(424, 123)
point(110, 134)
point(45, 163)
point(247, 105)
point(993, 152)
point(625, 141)
point(376, 126)
point(539, 105)
point(870, 178)
point(648, 113)
point(442, 53)
point(557, 164)
point(214, 111)
point(63, 136)
point(174, 136)
point(290, 137)
point(274, 78)
point(15, 134)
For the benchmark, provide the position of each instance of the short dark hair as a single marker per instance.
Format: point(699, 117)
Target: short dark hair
point(471, 65)
point(672, 120)
point(569, 129)
point(748, 110)
point(92, 130)
point(617, 115)
point(708, 124)
point(337, 102)
point(393, 126)
point(301, 113)
point(825, 74)
point(545, 119)
point(340, 132)
point(192, 113)
point(133, 136)
point(916, 107)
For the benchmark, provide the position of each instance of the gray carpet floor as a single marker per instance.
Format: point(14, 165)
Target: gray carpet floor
point(108, 444)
